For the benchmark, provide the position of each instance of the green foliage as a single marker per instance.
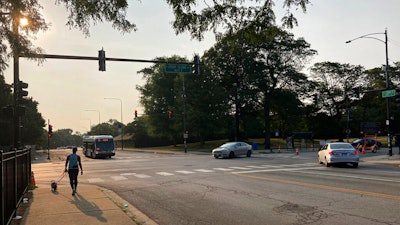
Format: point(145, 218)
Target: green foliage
point(109, 128)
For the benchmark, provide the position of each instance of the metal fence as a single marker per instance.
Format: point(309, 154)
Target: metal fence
point(15, 181)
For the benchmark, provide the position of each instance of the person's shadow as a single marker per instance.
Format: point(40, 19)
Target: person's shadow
point(89, 208)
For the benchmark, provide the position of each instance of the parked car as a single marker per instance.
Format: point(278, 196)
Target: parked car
point(338, 153)
point(370, 144)
point(232, 149)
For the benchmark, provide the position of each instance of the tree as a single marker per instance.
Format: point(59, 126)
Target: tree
point(335, 84)
point(222, 16)
point(81, 15)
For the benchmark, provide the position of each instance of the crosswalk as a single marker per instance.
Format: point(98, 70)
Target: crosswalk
point(232, 169)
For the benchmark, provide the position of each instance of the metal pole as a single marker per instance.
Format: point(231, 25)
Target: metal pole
point(48, 140)
point(390, 153)
point(184, 113)
point(16, 118)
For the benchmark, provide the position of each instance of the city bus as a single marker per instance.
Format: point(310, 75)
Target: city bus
point(98, 146)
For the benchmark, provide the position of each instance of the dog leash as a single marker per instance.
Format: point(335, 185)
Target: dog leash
point(62, 176)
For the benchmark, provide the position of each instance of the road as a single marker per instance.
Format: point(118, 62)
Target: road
point(264, 189)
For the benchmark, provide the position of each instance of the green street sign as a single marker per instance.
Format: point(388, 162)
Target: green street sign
point(178, 68)
point(388, 93)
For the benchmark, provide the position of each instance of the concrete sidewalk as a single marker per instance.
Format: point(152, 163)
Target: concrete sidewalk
point(91, 205)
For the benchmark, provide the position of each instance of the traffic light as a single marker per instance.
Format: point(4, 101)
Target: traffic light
point(20, 92)
point(50, 132)
point(356, 92)
point(169, 114)
point(315, 99)
point(102, 60)
point(397, 95)
point(196, 65)
point(135, 113)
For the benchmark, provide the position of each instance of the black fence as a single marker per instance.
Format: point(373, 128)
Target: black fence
point(15, 181)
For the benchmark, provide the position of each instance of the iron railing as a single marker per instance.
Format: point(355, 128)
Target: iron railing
point(15, 181)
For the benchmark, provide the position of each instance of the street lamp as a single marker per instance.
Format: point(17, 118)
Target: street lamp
point(122, 125)
point(90, 123)
point(93, 110)
point(390, 153)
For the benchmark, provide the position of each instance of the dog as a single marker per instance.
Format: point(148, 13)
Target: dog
point(53, 186)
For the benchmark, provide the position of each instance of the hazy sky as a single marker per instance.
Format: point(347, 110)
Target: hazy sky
point(66, 89)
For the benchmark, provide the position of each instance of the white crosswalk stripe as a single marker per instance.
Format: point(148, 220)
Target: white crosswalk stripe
point(204, 171)
point(141, 175)
point(165, 174)
point(222, 169)
point(118, 178)
point(239, 168)
point(184, 172)
point(232, 169)
point(95, 180)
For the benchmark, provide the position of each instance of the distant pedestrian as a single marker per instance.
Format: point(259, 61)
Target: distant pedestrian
point(72, 165)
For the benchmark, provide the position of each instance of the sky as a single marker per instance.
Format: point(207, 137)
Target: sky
point(73, 94)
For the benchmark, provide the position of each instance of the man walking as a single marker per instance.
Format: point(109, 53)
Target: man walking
point(71, 165)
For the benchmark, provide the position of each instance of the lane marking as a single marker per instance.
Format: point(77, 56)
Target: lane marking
point(204, 171)
point(348, 176)
point(164, 174)
point(239, 168)
point(141, 176)
point(95, 180)
point(184, 172)
point(339, 189)
point(118, 178)
point(278, 169)
point(222, 169)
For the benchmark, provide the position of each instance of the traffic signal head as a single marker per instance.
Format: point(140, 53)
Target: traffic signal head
point(19, 90)
point(50, 131)
point(315, 99)
point(102, 60)
point(196, 65)
point(356, 92)
point(169, 114)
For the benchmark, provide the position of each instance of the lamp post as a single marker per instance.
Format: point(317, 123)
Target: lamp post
point(93, 110)
point(122, 125)
point(90, 123)
point(390, 153)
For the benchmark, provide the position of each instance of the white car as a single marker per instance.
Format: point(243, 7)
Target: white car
point(232, 149)
point(338, 153)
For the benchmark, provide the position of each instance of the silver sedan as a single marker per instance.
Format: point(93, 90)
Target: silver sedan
point(232, 149)
point(338, 153)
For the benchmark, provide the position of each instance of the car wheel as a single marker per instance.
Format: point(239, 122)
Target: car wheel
point(326, 163)
point(231, 154)
point(93, 155)
point(355, 165)
point(374, 150)
point(215, 156)
point(248, 153)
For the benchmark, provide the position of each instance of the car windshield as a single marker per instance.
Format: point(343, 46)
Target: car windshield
point(341, 146)
point(226, 145)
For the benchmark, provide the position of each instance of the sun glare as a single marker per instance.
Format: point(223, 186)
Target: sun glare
point(23, 21)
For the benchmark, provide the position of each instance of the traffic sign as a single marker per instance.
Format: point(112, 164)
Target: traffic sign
point(388, 93)
point(177, 68)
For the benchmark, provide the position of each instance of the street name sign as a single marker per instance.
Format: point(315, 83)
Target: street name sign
point(178, 68)
point(388, 93)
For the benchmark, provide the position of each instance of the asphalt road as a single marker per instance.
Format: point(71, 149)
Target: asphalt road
point(264, 189)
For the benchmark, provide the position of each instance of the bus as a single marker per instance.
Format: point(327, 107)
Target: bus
point(98, 146)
